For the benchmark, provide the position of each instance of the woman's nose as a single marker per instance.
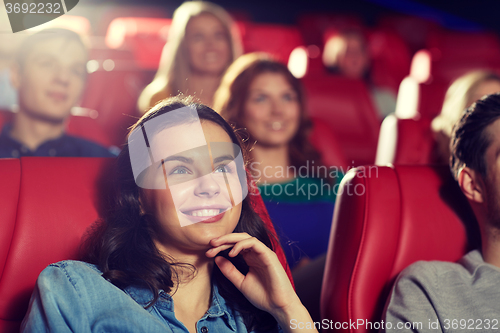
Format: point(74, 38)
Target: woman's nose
point(207, 186)
point(277, 107)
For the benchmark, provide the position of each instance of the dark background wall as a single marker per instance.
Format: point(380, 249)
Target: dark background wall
point(458, 14)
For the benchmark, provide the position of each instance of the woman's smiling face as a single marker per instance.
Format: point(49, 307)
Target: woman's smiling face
point(203, 194)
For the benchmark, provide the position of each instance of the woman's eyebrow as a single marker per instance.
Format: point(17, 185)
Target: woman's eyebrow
point(223, 158)
point(183, 159)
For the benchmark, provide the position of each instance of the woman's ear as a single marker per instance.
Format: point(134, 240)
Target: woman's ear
point(471, 184)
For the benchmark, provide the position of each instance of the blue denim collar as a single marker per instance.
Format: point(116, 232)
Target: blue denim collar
point(218, 306)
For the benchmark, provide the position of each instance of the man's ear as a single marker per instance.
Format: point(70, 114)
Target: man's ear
point(471, 184)
point(15, 76)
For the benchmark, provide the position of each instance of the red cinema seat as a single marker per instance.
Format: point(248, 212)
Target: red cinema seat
point(145, 37)
point(47, 205)
point(346, 107)
point(275, 39)
point(390, 57)
point(464, 46)
point(385, 219)
point(9, 195)
point(106, 15)
point(413, 29)
point(313, 25)
point(405, 141)
point(326, 143)
point(113, 87)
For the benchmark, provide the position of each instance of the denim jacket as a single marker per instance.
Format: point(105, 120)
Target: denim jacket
point(72, 296)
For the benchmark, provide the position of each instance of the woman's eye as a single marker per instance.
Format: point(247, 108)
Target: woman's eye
point(222, 168)
point(260, 98)
point(79, 72)
point(179, 171)
point(289, 97)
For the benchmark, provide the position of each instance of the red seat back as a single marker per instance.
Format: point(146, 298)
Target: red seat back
point(346, 106)
point(46, 205)
point(385, 219)
point(390, 59)
point(144, 37)
point(275, 39)
point(313, 25)
point(405, 141)
point(326, 143)
point(113, 89)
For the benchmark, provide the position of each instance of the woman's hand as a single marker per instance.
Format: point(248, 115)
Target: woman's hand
point(266, 284)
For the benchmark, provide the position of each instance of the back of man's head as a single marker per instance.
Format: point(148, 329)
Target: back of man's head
point(470, 139)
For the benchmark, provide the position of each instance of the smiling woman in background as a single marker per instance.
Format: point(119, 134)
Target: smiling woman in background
point(202, 43)
point(263, 97)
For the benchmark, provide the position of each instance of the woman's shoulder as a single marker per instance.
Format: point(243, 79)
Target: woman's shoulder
point(77, 266)
point(73, 270)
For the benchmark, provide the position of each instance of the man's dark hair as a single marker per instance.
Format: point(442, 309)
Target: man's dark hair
point(30, 42)
point(469, 139)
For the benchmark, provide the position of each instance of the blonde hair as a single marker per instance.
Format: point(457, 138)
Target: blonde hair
point(459, 97)
point(174, 69)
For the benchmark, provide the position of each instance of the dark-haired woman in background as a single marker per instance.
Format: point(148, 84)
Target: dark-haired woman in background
point(173, 234)
point(263, 97)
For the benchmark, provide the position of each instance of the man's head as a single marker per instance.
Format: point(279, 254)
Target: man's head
point(49, 74)
point(475, 158)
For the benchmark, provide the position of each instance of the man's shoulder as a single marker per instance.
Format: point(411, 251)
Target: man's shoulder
point(465, 266)
point(430, 268)
point(443, 274)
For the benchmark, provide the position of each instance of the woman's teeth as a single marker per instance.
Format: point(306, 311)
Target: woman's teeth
point(204, 212)
point(276, 125)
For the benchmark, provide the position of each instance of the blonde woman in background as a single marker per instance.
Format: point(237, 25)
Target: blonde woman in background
point(202, 43)
point(460, 95)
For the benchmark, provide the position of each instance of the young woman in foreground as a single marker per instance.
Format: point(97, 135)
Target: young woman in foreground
point(164, 257)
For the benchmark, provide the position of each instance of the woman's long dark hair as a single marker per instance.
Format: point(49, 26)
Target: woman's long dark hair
point(121, 243)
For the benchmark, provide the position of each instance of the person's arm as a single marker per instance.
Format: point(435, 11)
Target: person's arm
point(410, 305)
point(55, 305)
point(266, 284)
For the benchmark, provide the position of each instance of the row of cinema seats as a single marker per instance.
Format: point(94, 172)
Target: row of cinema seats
point(406, 136)
point(379, 228)
point(125, 61)
point(123, 64)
